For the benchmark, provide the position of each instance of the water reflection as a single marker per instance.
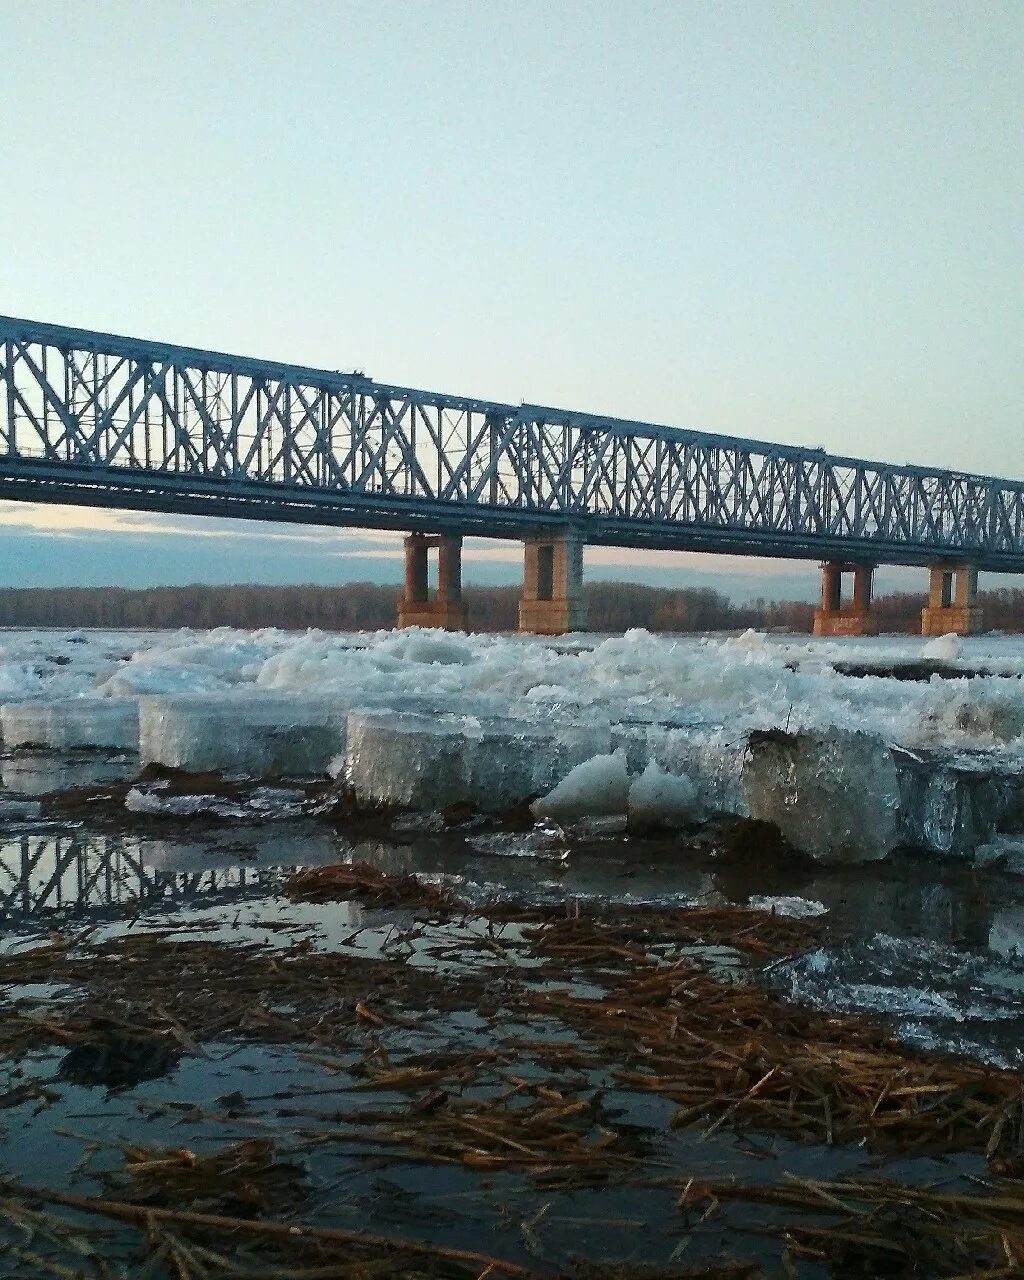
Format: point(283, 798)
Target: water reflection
point(938, 899)
point(40, 773)
point(933, 943)
point(77, 870)
point(80, 872)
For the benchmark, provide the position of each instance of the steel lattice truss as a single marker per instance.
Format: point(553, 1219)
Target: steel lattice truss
point(100, 420)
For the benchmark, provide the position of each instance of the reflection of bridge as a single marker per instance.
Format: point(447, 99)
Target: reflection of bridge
point(101, 420)
point(41, 872)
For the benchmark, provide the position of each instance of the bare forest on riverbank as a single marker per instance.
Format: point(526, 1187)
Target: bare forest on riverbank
point(613, 606)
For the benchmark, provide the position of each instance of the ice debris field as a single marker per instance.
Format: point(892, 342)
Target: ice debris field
point(852, 748)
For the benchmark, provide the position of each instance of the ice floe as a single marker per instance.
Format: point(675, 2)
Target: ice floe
point(700, 724)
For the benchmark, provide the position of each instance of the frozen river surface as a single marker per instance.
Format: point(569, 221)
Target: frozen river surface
point(751, 680)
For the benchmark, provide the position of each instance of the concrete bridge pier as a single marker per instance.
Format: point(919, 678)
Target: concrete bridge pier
point(445, 609)
point(833, 617)
point(552, 601)
point(952, 602)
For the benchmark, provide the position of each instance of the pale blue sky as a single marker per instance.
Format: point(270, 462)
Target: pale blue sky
point(795, 221)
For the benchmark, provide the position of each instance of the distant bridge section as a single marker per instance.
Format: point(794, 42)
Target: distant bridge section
point(100, 420)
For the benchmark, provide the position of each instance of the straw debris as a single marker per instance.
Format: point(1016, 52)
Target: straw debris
point(532, 1055)
point(362, 883)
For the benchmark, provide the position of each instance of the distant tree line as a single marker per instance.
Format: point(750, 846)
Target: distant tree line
point(358, 606)
point(1002, 608)
point(617, 606)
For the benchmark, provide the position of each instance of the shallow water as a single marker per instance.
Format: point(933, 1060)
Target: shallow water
point(933, 944)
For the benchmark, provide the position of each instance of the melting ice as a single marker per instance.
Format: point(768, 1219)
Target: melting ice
point(665, 729)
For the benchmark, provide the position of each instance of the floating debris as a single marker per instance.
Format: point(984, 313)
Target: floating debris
point(117, 1057)
point(243, 1180)
point(363, 883)
point(521, 1059)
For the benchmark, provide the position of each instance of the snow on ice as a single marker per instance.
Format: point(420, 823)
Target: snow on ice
point(669, 730)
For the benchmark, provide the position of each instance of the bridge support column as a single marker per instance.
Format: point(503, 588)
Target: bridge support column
point(552, 601)
point(833, 617)
point(952, 602)
point(444, 610)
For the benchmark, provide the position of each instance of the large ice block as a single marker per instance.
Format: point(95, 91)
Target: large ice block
point(834, 795)
point(68, 723)
point(712, 761)
point(259, 734)
point(403, 758)
point(949, 805)
point(492, 763)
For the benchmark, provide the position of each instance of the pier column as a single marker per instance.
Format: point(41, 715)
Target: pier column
point(552, 601)
point(449, 571)
point(833, 617)
point(444, 610)
point(952, 601)
point(416, 582)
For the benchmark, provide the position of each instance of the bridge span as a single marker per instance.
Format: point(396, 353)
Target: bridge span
point(96, 419)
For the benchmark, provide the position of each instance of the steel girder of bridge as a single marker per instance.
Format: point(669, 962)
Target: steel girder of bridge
point(100, 420)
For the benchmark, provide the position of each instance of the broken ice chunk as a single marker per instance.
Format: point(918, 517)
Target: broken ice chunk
point(834, 795)
point(796, 908)
point(68, 723)
point(265, 803)
point(946, 647)
point(595, 788)
point(661, 799)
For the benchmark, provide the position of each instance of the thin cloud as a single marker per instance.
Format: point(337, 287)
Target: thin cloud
point(44, 518)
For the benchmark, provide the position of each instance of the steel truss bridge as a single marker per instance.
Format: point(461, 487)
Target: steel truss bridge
point(106, 421)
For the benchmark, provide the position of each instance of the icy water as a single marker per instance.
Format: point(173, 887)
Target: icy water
point(931, 945)
point(934, 944)
point(928, 943)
